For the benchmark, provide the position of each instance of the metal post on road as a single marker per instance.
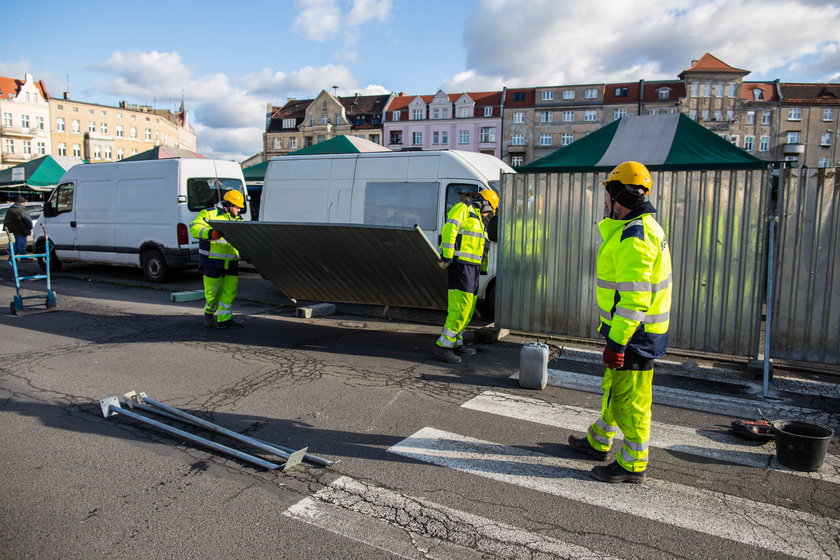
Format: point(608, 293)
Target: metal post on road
point(768, 322)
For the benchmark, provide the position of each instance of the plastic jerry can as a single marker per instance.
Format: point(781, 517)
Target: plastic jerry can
point(533, 366)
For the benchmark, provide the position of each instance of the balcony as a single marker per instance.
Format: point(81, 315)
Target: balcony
point(796, 148)
point(19, 131)
point(16, 157)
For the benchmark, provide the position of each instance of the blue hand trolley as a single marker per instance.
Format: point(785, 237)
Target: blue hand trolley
point(17, 306)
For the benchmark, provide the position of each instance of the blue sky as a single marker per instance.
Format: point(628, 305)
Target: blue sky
point(228, 59)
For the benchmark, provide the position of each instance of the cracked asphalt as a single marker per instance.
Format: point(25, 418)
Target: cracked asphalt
point(348, 387)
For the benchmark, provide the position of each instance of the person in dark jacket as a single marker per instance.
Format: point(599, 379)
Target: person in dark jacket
point(19, 224)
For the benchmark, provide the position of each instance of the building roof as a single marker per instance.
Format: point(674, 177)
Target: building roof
point(651, 90)
point(353, 106)
point(13, 85)
point(768, 91)
point(632, 93)
point(528, 101)
point(810, 94)
point(709, 63)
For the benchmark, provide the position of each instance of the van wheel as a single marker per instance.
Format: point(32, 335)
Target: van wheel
point(55, 264)
point(154, 266)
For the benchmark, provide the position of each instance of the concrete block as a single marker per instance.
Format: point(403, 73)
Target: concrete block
point(193, 295)
point(317, 310)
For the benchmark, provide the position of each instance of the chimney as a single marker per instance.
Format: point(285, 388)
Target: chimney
point(66, 95)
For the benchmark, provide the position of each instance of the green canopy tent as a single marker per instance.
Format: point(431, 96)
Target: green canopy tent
point(341, 145)
point(35, 178)
point(163, 152)
point(662, 142)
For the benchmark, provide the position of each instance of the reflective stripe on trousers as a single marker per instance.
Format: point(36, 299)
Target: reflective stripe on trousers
point(219, 294)
point(460, 308)
point(625, 406)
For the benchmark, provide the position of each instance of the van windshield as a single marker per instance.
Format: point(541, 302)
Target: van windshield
point(205, 192)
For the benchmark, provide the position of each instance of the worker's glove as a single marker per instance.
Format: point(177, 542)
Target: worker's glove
point(215, 234)
point(613, 359)
point(443, 264)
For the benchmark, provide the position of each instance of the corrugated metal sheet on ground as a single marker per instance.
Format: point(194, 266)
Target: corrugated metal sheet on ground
point(343, 263)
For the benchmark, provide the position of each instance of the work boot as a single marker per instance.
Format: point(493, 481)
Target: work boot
point(465, 350)
point(614, 472)
point(230, 324)
point(447, 355)
point(582, 445)
point(209, 320)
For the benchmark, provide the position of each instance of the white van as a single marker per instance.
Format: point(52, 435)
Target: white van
point(134, 212)
point(380, 189)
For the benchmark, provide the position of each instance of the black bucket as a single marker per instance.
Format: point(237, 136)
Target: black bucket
point(801, 446)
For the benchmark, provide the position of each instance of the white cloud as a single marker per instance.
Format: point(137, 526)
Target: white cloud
point(318, 20)
point(235, 144)
point(323, 20)
point(308, 80)
point(600, 40)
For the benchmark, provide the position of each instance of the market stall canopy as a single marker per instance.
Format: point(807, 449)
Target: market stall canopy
point(255, 173)
point(163, 152)
point(662, 142)
point(40, 174)
point(341, 145)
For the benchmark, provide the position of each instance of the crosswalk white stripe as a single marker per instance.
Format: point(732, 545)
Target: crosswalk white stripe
point(705, 443)
point(746, 521)
point(400, 524)
point(718, 404)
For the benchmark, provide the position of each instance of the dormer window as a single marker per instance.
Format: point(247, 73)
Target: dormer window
point(664, 93)
point(758, 94)
point(417, 114)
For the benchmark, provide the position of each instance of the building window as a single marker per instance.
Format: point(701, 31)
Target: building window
point(547, 96)
point(325, 119)
point(748, 143)
point(59, 124)
point(103, 128)
point(119, 131)
point(91, 126)
point(39, 123)
point(320, 138)
point(444, 137)
point(692, 114)
point(289, 123)
point(519, 117)
point(705, 115)
point(718, 115)
point(417, 114)
point(108, 152)
point(545, 139)
point(517, 140)
point(436, 113)
point(519, 96)
point(823, 162)
point(148, 134)
point(695, 87)
point(435, 138)
point(793, 137)
point(465, 112)
point(828, 114)
point(62, 149)
point(417, 138)
point(396, 137)
point(732, 89)
point(622, 92)
point(132, 132)
point(734, 139)
point(590, 93)
point(97, 152)
point(707, 89)
point(293, 142)
point(618, 113)
point(77, 126)
point(77, 150)
point(765, 117)
point(758, 94)
point(568, 94)
point(653, 111)
point(719, 89)
point(568, 116)
point(395, 115)
point(794, 114)
point(545, 116)
point(488, 134)
point(664, 93)
point(7, 119)
point(590, 116)
point(463, 136)
point(567, 138)
point(24, 121)
point(825, 139)
point(516, 161)
point(488, 111)
point(730, 115)
point(10, 146)
point(120, 154)
point(764, 144)
point(27, 147)
point(42, 148)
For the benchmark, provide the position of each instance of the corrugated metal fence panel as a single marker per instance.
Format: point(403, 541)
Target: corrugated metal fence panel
point(549, 238)
point(343, 263)
point(806, 310)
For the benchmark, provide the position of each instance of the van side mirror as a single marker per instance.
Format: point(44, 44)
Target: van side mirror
point(49, 210)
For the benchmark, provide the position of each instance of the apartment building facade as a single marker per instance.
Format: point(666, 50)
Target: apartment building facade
point(808, 128)
point(470, 121)
point(102, 133)
point(302, 123)
point(25, 124)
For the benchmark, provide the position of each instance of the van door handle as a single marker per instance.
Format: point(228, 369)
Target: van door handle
point(73, 223)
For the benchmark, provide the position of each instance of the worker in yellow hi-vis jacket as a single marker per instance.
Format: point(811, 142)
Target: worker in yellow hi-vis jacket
point(634, 300)
point(461, 250)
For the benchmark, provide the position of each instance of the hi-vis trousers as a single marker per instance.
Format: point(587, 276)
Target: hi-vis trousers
point(220, 288)
point(625, 406)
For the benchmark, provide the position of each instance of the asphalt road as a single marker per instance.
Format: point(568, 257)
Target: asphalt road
point(433, 460)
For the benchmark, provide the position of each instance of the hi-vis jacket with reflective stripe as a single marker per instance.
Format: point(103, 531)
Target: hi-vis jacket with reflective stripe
point(634, 283)
point(213, 252)
point(463, 235)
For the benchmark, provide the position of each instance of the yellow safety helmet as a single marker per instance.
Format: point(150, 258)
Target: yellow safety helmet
point(235, 197)
point(491, 197)
point(631, 173)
